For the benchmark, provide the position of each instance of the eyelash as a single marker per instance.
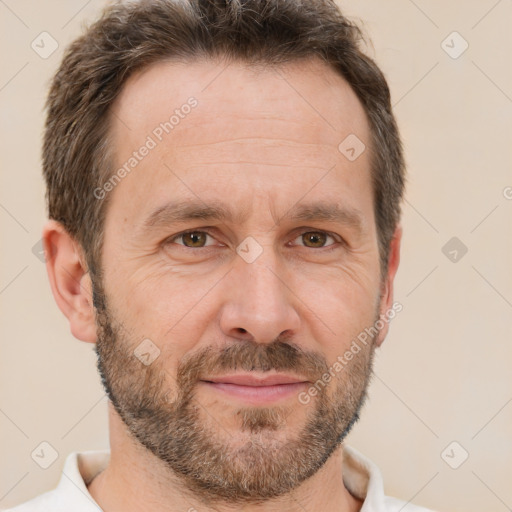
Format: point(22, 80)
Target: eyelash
point(208, 232)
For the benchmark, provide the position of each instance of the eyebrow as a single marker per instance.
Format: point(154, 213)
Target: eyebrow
point(329, 212)
point(183, 211)
point(176, 212)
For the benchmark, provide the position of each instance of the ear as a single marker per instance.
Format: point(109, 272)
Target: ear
point(386, 305)
point(69, 279)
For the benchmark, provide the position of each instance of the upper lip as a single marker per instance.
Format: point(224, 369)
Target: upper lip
point(253, 380)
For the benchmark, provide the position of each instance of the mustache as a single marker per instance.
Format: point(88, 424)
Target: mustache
point(247, 355)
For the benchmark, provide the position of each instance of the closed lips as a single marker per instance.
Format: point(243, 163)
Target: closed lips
point(251, 380)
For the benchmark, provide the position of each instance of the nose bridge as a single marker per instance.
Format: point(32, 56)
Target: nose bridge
point(259, 300)
point(262, 278)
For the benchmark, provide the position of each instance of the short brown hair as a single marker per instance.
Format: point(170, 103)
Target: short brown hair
point(131, 36)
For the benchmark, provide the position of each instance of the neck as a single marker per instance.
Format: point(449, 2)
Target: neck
point(136, 480)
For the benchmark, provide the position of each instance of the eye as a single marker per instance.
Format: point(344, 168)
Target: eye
point(196, 239)
point(316, 239)
point(191, 239)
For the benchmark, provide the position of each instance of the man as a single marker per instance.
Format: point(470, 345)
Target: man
point(224, 184)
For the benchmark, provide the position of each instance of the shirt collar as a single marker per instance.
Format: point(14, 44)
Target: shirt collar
point(361, 477)
point(79, 470)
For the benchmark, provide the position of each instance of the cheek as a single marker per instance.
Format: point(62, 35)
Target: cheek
point(168, 308)
point(339, 311)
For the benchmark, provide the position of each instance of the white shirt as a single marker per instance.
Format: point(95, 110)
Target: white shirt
point(360, 476)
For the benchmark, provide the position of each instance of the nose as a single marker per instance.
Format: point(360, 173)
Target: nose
point(260, 304)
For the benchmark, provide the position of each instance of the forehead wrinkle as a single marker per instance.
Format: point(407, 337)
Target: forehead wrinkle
point(271, 152)
point(270, 141)
point(254, 162)
point(310, 150)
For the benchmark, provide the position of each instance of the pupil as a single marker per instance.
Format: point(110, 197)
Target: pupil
point(316, 238)
point(195, 238)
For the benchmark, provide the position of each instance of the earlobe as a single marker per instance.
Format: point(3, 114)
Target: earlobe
point(69, 280)
point(387, 286)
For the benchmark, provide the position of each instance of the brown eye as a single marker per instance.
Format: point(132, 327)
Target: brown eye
point(193, 239)
point(315, 239)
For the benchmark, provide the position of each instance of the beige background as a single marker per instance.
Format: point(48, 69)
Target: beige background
point(442, 375)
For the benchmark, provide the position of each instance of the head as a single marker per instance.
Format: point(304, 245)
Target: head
point(224, 183)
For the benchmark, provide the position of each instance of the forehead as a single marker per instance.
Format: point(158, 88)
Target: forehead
point(308, 93)
point(214, 122)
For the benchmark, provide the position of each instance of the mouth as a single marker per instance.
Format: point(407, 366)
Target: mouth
point(256, 389)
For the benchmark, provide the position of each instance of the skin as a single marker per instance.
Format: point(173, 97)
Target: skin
point(262, 141)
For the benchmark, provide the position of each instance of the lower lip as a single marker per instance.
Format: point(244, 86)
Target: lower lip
point(258, 394)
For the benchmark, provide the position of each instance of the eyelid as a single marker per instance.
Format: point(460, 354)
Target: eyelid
point(201, 230)
point(334, 236)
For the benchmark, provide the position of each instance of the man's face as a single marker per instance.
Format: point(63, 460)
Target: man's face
point(276, 287)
